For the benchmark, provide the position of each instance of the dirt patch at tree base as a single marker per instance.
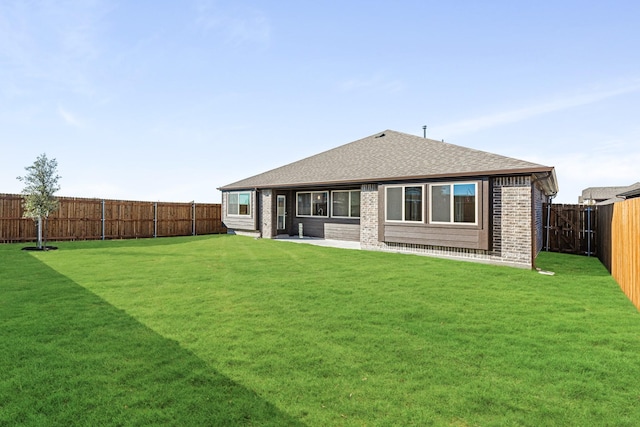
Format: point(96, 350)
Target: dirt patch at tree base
point(43, 248)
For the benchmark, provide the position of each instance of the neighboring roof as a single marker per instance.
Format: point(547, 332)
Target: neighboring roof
point(631, 194)
point(602, 193)
point(391, 156)
point(608, 195)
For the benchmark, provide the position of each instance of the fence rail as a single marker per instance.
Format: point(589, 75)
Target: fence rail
point(91, 219)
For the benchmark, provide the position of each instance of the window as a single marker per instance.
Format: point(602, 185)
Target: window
point(462, 208)
point(312, 203)
point(239, 204)
point(404, 203)
point(345, 204)
point(304, 204)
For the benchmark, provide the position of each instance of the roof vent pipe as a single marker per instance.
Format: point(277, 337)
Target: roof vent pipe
point(424, 131)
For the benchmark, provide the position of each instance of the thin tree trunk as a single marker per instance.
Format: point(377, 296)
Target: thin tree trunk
point(44, 232)
point(39, 232)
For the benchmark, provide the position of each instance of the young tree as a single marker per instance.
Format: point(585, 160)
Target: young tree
point(41, 183)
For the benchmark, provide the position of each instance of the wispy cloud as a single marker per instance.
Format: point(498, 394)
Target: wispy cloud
point(376, 82)
point(70, 118)
point(248, 25)
point(519, 114)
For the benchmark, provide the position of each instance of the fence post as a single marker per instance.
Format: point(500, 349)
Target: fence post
point(193, 219)
point(103, 219)
point(155, 219)
point(588, 230)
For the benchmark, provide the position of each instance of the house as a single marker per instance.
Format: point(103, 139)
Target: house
point(605, 195)
point(397, 192)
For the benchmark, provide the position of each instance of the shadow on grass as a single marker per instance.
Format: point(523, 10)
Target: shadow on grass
point(131, 243)
point(70, 358)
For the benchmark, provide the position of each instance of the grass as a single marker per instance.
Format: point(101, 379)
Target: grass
point(227, 330)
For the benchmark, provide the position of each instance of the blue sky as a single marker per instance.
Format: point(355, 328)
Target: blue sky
point(164, 100)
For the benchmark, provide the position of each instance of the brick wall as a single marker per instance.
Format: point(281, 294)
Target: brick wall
point(512, 219)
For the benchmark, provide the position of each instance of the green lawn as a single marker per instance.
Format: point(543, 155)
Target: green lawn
point(229, 330)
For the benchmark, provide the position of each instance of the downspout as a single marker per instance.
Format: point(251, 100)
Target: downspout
point(533, 216)
point(257, 223)
point(549, 200)
point(532, 199)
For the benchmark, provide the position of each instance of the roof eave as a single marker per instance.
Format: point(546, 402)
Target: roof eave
point(548, 182)
point(629, 194)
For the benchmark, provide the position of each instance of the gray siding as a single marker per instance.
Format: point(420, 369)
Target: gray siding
point(319, 227)
point(337, 231)
point(454, 237)
point(235, 222)
point(312, 227)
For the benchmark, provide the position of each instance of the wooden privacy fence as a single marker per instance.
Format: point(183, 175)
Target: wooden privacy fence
point(603, 240)
point(622, 256)
point(89, 219)
point(570, 229)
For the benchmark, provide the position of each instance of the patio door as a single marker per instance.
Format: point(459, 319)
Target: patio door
point(281, 213)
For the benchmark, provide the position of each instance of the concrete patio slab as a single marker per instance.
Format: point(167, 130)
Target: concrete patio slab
point(342, 244)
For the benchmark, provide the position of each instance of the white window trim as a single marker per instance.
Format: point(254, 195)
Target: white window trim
point(312, 215)
point(452, 203)
point(344, 191)
point(403, 204)
point(248, 215)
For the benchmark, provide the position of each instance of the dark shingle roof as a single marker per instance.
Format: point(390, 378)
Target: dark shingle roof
point(388, 156)
point(608, 195)
point(602, 193)
point(632, 192)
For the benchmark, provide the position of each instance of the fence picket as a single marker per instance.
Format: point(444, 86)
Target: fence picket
point(625, 248)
